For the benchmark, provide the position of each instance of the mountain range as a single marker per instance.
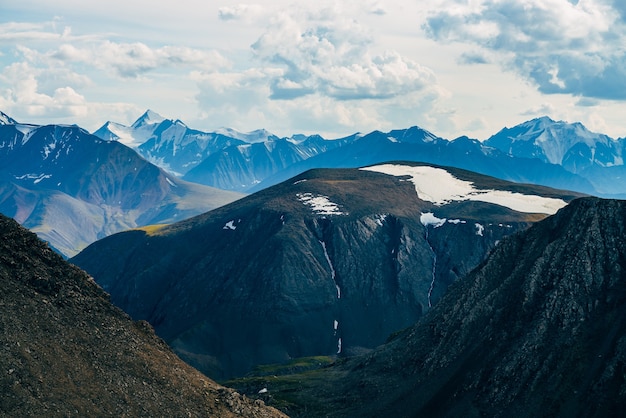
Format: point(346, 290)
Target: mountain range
point(536, 330)
point(555, 154)
point(414, 288)
point(67, 351)
point(540, 151)
point(72, 188)
point(329, 262)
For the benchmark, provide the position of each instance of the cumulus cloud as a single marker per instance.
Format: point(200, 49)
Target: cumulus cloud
point(246, 12)
point(333, 56)
point(131, 60)
point(560, 45)
point(26, 97)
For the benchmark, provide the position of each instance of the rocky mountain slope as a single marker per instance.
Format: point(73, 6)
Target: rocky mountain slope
point(332, 261)
point(67, 351)
point(73, 188)
point(537, 330)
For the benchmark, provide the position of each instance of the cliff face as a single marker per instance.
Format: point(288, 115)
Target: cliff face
point(538, 329)
point(330, 262)
point(67, 351)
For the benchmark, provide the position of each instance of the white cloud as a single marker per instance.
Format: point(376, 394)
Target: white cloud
point(332, 55)
point(246, 12)
point(562, 46)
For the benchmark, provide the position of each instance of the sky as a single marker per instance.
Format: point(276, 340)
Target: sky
point(452, 67)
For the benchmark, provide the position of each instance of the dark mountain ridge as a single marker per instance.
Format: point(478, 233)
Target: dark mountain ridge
point(332, 261)
point(67, 351)
point(537, 330)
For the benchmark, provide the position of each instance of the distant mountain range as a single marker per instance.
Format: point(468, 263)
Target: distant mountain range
point(540, 151)
point(331, 261)
point(537, 330)
point(96, 181)
point(72, 188)
point(67, 351)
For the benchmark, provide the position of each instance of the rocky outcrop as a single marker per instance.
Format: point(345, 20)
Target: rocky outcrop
point(536, 330)
point(65, 350)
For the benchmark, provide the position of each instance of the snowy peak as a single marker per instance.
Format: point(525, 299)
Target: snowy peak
point(258, 135)
point(414, 134)
point(571, 145)
point(148, 118)
point(6, 119)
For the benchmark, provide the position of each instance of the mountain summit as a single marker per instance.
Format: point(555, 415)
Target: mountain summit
point(570, 145)
point(329, 262)
point(6, 119)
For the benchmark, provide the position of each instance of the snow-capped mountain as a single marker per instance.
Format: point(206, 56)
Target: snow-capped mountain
point(168, 143)
point(6, 119)
point(418, 145)
point(331, 261)
point(72, 188)
point(570, 145)
point(252, 137)
point(241, 167)
point(134, 135)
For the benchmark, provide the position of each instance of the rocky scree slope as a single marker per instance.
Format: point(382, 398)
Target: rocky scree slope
point(537, 330)
point(330, 262)
point(65, 350)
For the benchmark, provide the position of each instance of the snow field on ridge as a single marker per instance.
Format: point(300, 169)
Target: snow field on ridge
point(438, 186)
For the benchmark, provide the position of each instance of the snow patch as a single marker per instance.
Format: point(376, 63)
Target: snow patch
point(332, 269)
point(456, 221)
point(339, 346)
point(438, 186)
point(299, 181)
point(320, 204)
point(380, 219)
point(35, 177)
point(479, 229)
point(429, 218)
point(230, 225)
point(168, 180)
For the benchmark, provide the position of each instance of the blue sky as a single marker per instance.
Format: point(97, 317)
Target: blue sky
point(453, 67)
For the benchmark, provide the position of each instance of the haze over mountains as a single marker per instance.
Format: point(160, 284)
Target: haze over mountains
point(106, 185)
point(71, 187)
point(329, 262)
point(540, 151)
